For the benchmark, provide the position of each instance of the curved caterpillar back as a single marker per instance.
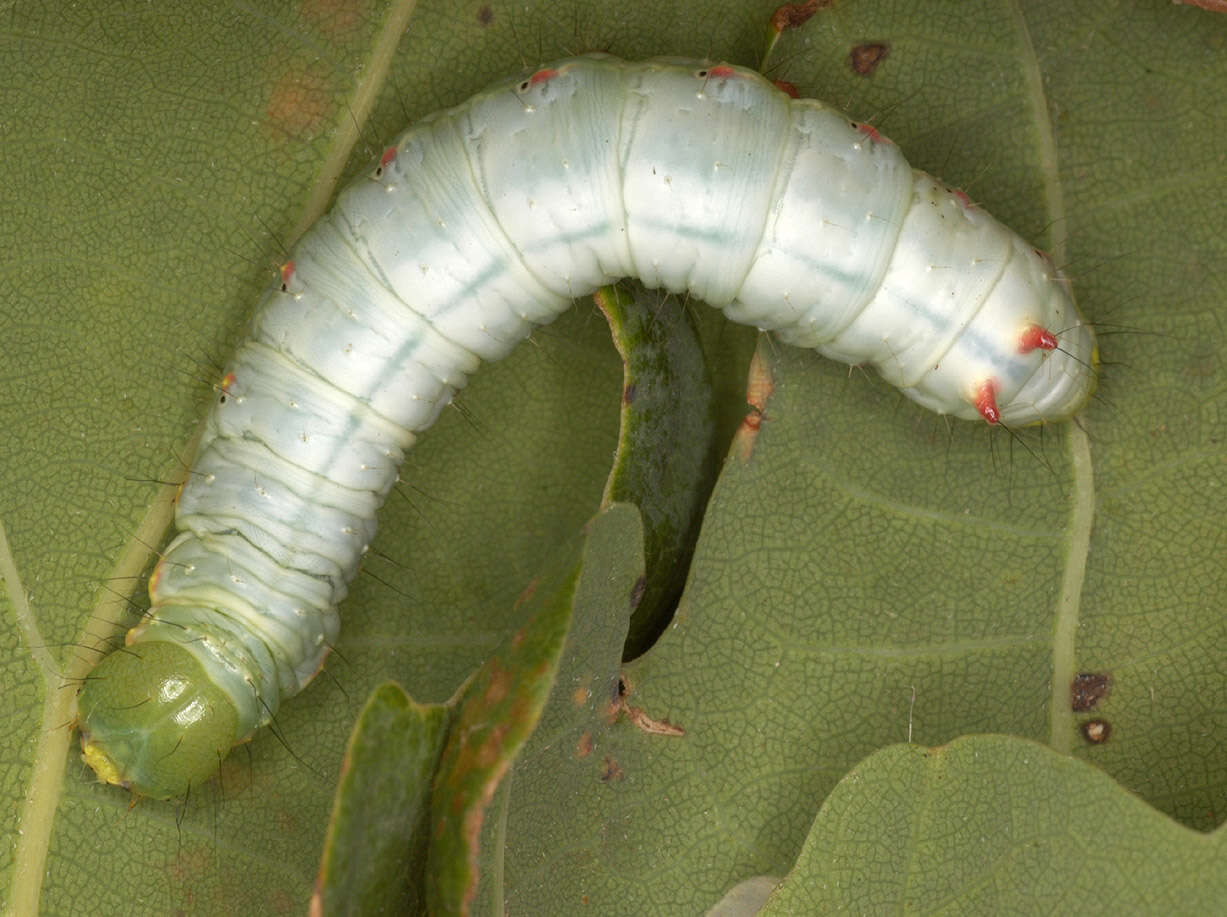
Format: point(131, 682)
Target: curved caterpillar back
point(483, 222)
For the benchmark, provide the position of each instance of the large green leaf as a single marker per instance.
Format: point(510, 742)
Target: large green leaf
point(996, 825)
point(866, 575)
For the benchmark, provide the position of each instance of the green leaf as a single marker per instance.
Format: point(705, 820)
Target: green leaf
point(378, 834)
point(418, 781)
point(158, 158)
point(564, 658)
point(995, 824)
point(667, 443)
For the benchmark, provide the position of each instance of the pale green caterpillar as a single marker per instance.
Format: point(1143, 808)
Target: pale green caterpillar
point(483, 222)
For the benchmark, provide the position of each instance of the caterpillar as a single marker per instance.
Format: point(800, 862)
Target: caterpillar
point(481, 223)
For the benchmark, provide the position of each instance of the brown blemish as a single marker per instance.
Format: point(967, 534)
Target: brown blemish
point(488, 754)
point(233, 777)
point(528, 592)
point(298, 104)
point(865, 58)
point(639, 717)
point(188, 867)
point(583, 748)
point(637, 591)
point(499, 685)
point(485, 15)
point(795, 15)
point(628, 393)
point(1096, 731)
point(611, 771)
point(580, 695)
point(1088, 689)
point(613, 709)
point(335, 18)
point(759, 386)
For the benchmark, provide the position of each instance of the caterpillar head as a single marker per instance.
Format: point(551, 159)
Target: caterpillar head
point(153, 721)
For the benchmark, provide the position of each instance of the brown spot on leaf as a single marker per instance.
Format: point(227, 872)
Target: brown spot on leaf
point(866, 57)
point(639, 717)
point(489, 751)
point(645, 723)
point(759, 385)
point(1087, 689)
point(189, 867)
point(613, 708)
point(528, 592)
point(235, 776)
point(637, 591)
point(335, 18)
point(611, 771)
point(485, 15)
point(583, 748)
point(298, 104)
point(795, 15)
point(1096, 731)
point(499, 685)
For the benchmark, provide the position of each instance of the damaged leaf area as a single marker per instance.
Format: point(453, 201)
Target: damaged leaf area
point(759, 387)
point(640, 718)
point(557, 668)
point(668, 447)
point(418, 780)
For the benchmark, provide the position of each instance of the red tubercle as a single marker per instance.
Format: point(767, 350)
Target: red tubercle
point(871, 132)
point(721, 71)
point(542, 76)
point(1036, 337)
point(789, 89)
point(287, 273)
point(961, 196)
point(386, 159)
point(986, 400)
point(227, 382)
